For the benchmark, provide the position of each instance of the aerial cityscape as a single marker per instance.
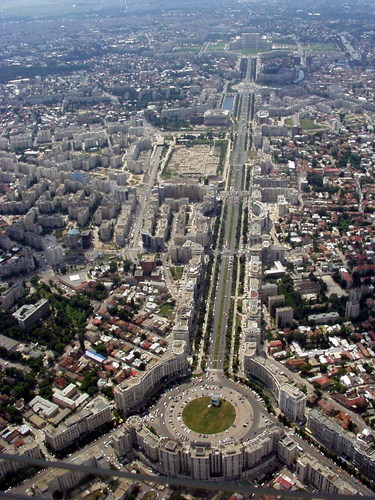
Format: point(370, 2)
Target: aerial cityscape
point(187, 249)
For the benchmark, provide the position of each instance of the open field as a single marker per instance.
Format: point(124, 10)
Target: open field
point(321, 47)
point(196, 161)
point(216, 46)
point(305, 124)
point(187, 48)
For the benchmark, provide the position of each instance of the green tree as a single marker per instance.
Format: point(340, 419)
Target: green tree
point(112, 266)
point(35, 280)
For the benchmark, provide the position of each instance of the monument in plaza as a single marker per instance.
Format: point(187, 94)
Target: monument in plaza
point(215, 400)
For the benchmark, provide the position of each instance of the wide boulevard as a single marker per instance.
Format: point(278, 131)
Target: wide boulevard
point(230, 222)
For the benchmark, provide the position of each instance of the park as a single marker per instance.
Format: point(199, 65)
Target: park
point(202, 417)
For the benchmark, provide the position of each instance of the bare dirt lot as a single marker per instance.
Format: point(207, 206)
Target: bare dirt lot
point(196, 161)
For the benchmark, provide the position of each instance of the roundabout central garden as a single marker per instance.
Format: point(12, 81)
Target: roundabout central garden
point(202, 417)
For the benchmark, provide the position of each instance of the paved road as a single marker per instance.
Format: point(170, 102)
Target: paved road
point(144, 196)
point(234, 192)
point(203, 49)
point(301, 53)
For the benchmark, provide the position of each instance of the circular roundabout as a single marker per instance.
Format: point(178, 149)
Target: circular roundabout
point(204, 417)
point(205, 428)
point(204, 412)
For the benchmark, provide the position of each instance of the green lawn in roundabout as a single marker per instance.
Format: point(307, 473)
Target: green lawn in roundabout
point(200, 416)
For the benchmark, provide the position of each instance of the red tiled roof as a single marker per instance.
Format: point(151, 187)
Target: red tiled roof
point(284, 483)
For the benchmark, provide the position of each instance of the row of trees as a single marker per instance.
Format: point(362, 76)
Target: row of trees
point(242, 277)
point(203, 304)
point(230, 324)
point(222, 230)
point(239, 224)
point(210, 315)
point(245, 226)
point(228, 336)
point(223, 146)
point(217, 224)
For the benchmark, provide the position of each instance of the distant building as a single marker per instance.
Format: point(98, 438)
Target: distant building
point(216, 117)
point(275, 346)
point(43, 406)
point(276, 272)
point(10, 296)
point(353, 305)
point(105, 231)
point(94, 356)
point(313, 472)
point(291, 400)
point(69, 397)
point(268, 290)
point(20, 446)
point(262, 117)
point(323, 318)
point(275, 301)
point(28, 314)
point(253, 41)
point(148, 263)
point(8, 343)
point(284, 316)
point(341, 442)
point(288, 449)
point(54, 255)
point(196, 460)
point(134, 392)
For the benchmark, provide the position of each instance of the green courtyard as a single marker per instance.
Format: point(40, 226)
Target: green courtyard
point(200, 416)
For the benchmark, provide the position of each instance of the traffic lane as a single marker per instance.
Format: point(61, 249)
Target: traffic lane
point(225, 286)
point(221, 308)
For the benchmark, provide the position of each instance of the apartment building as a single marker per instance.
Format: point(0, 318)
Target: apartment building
point(312, 472)
point(28, 314)
point(29, 449)
point(198, 460)
point(343, 443)
point(134, 392)
point(94, 415)
point(61, 480)
point(291, 400)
